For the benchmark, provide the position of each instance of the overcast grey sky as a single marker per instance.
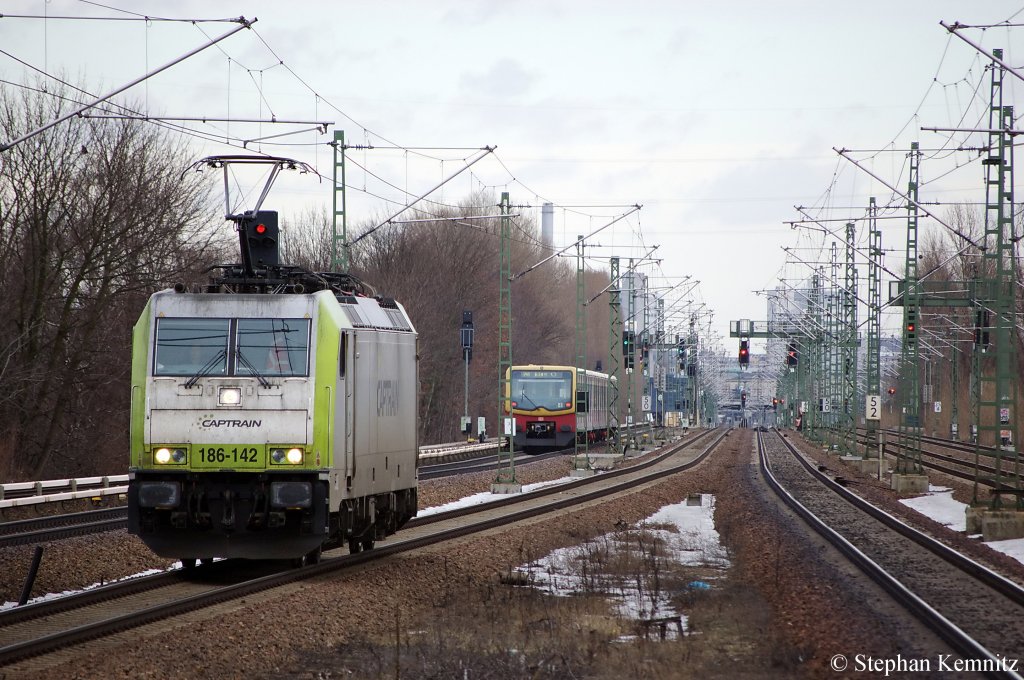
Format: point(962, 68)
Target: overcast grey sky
point(717, 117)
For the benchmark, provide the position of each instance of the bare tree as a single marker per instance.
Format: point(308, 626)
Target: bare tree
point(96, 214)
point(307, 240)
point(438, 269)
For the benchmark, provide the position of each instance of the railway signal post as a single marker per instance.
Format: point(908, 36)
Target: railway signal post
point(466, 339)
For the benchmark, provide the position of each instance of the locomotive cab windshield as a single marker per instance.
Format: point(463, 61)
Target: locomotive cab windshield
point(232, 347)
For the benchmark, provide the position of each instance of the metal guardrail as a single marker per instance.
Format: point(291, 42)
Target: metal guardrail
point(18, 494)
point(32, 493)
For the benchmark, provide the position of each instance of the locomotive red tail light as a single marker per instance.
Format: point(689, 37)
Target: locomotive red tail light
point(515, 403)
point(568, 404)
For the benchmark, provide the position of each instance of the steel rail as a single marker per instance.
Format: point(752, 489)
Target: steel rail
point(53, 642)
point(952, 634)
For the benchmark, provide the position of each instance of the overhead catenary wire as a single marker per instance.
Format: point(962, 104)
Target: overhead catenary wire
point(245, 23)
point(636, 208)
point(484, 152)
point(842, 152)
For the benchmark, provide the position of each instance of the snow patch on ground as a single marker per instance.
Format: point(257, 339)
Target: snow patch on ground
point(487, 497)
point(938, 504)
point(680, 533)
point(67, 593)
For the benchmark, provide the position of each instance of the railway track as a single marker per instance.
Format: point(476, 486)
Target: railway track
point(56, 527)
point(978, 612)
point(36, 634)
point(959, 464)
point(482, 463)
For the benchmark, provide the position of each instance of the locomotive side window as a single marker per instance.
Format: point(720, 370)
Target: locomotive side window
point(272, 347)
point(342, 351)
point(189, 346)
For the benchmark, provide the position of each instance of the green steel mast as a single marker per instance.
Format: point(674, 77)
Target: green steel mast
point(849, 367)
point(873, 387)
point(580, 462)
point(997, 398)
point(614, 350)
point(908, 460)
point(507, 429)
point(339, 241)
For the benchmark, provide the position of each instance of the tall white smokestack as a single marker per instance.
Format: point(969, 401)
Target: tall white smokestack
point(547, 225)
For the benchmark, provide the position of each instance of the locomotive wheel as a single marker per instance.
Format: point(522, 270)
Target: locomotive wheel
point(354, 546)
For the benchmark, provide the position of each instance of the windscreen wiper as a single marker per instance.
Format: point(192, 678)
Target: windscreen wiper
point(252, 369)
point(206, 369)
point(525, 396)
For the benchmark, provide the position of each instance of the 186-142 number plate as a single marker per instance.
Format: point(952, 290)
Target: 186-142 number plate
point(227, 456)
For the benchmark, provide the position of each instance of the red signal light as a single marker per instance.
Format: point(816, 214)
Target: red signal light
point(261, 229)
point(910, 328)
point(892, 390)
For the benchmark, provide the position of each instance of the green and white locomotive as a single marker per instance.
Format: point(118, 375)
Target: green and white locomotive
point(273, 414)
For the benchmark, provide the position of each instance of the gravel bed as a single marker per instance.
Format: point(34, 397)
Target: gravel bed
point(814, 611)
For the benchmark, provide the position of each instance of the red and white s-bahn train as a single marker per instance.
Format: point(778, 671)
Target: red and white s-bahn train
point(552, 405)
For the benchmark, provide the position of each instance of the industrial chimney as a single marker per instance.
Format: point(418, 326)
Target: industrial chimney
point(547, 225)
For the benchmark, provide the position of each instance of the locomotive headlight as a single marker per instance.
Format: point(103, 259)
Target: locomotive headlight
point(229, 396)
point(165, 456)
point(292, 456)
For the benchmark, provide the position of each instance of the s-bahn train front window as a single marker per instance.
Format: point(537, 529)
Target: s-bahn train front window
point(191, 346)
point(551, 390)
point(273, 347)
